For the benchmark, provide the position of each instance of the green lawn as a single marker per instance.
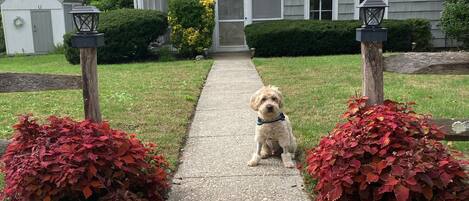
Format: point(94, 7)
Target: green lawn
point(317, 88)
point(155, 100)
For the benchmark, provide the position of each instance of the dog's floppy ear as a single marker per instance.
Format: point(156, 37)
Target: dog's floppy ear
point(279, 94)
point(254, 103)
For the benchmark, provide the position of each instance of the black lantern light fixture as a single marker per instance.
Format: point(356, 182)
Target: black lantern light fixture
point(86, 19)
point(372, 13)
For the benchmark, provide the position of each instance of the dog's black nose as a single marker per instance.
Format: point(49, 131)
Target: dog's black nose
point(270, 108)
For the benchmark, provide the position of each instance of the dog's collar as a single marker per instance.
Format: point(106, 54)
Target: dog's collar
point(280, 117)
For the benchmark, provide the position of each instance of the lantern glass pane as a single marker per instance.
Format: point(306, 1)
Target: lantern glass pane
point(373, 16)
point(86, 22)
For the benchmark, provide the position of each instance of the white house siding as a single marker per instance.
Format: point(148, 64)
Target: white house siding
point(160, 5)
point(294, 9)
point(406, 9)
point(20, 40)
point(346, 10)
point(426, 9)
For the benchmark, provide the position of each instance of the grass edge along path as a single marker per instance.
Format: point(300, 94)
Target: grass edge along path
point(316, 91)
point(155, 100)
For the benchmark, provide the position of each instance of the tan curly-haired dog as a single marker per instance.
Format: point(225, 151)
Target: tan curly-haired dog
point(273, 130)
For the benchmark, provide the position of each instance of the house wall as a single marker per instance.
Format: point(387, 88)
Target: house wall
point(19, 40)
point(160, 5)
point(426, 9)
point(294, 9)
point(405, 9)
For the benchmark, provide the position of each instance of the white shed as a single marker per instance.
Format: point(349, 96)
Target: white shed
point(35, 26)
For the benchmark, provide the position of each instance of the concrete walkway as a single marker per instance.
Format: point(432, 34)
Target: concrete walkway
point(221, 141)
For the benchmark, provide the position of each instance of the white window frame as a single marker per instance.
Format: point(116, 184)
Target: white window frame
point(335, 9)
point(356, 13)
point(282, 16)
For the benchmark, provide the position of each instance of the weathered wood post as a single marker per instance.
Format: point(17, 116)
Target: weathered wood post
point(87, 38)
point(371, 36)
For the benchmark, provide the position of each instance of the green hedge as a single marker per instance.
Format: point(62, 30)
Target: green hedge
point(312, 37)
point(127, 32)
point(2, 36)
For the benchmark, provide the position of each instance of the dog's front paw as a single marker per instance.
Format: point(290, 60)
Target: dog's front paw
point(254, 160)
point(289, 164)
point(287, 161)
point(253, 163)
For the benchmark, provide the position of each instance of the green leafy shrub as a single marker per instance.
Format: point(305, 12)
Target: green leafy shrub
point(312, 37)
point(127, 32)
point(386, 152)
point(70, 160)
point(71, 54)
point(455, 20)
point(2, 36)
point(421, 34)
point(106, 5)
point(192, 23)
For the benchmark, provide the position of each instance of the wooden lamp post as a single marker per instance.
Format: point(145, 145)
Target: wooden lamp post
point(371, 36)
point(87, 38)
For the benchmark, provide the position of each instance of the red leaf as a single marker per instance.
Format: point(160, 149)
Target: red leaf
point(87, 192)
point(348, 180)
point(443, 163)
point(445, 178)
point(128, 159)
point(355, 163)
point(397, 170)
point(335, 193)
point(392, 181)
point(93, 170)
point(381, 165)
point(370, 177)
point(411, 181)
point(103, 138)
point(97, 184)
point(401, 192)
point(123, 149)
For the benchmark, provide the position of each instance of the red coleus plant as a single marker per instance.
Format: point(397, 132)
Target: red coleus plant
point(69, 160)
point(385, 152)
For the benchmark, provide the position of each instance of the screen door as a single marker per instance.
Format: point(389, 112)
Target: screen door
point(231, 23)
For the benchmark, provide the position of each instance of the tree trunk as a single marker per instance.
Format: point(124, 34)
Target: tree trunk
point(372, 57)
point(88, 60)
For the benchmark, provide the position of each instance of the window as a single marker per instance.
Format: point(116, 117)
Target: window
point(266, 9)
point(321, 9)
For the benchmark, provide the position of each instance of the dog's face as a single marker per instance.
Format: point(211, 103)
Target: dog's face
point(267, 101)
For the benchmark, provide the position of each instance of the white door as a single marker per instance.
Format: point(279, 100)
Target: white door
point(233, 15)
